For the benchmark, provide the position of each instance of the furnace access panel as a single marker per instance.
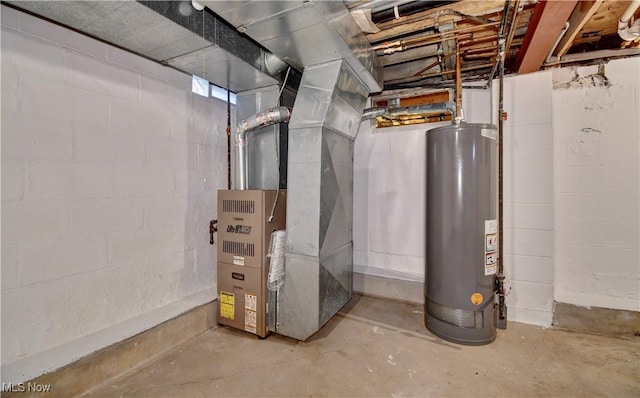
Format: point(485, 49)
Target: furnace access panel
point(244, 233)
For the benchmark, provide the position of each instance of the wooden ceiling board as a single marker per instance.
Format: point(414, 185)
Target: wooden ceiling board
point(579, 17)
point(603, 22)
point(531, 40)
point(428, 19)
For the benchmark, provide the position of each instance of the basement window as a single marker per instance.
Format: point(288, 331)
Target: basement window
point(221, 93)
point(200, 86)
point(204, 88)
point(416, 118)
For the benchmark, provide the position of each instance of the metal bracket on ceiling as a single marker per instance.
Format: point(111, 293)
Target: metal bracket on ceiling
point(446, 27)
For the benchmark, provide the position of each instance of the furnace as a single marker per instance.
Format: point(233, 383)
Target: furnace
point(247, 218)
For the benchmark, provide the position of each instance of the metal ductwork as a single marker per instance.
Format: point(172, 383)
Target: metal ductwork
point(340, 70)
point(172, 33)
point(319, 251)
point(305, 33)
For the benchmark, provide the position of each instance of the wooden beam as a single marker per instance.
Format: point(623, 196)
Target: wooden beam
point(546, 24)
point(580, 15)
point(427, 19)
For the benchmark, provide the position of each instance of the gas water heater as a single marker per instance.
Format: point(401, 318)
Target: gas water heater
point(461, 233)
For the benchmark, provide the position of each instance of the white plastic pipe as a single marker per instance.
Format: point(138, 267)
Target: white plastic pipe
point(626, 33)
point(633, 6)
point(197, 5)
point(564, 30)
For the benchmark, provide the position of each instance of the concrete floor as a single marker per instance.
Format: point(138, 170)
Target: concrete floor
point(377, 347)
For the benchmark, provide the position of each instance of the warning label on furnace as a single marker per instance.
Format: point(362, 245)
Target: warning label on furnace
point(490, 247)
point(251, 302)
point(250, 319)
point(238, 260)
point(227, 305)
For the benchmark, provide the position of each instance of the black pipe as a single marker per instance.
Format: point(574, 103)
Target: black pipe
point(408, 9)
point(502, 308)
point(503, 24)
point(228, 139)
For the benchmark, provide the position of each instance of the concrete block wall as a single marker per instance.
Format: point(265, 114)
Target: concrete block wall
point(389, 194)
point(597, 185)
point(528, 195)
point(572, 191)
point(110, 168)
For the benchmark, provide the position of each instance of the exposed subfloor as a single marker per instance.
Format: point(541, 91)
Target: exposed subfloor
point(377, 347)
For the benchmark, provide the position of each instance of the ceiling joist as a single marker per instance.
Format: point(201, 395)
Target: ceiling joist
point(579, 17)
point(548, 20)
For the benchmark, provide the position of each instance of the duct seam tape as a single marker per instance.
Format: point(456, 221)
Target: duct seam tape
point(276, 266)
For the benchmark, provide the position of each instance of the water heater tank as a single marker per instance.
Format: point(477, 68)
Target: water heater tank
point(461, 233)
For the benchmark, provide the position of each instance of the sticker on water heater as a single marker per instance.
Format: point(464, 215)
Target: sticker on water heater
point(477, 298)
point(490, 226)
point(491, 259)
point(490, 247)
point(491, 242)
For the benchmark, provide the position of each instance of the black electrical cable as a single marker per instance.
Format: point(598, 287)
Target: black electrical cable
point(407, 9)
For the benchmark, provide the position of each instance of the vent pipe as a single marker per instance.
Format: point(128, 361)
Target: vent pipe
point(281, 114)
point(392, 111)
point(626, 32)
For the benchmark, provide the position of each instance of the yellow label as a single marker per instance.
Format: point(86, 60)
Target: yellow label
point(227, 305)
point(477, 299)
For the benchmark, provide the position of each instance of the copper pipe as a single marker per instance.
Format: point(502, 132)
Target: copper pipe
point(411, 43)
point(459, 115)
point(446, 72)
point(490, 40)
point(431, 65)
point(502, 307)
point(480, 55)
point(418, 73)
point(433, 16)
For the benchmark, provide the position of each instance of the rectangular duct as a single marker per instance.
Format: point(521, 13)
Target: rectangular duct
point(304, 33)
point(319, 252)
point(170, 32)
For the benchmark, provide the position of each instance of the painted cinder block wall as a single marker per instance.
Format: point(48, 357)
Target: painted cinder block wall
point(571, 219)
point(389, 196)
point(596, 131)
point(110, 168)
point(528, 195)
